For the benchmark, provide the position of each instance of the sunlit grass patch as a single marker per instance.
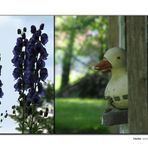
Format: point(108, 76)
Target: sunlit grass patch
point(75, 115)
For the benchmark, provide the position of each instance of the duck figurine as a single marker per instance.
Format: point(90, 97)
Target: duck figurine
point(117, 88)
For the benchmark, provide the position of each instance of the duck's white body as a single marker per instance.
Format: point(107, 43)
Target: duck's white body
point(117, 88)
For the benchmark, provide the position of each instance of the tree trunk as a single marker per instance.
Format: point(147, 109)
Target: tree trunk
point(66, 63)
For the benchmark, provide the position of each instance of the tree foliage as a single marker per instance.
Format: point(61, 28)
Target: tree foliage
point(79, 37)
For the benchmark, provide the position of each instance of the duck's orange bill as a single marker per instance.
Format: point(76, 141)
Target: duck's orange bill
point(104, 66)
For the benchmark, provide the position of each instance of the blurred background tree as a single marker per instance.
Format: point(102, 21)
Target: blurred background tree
point(80, 42)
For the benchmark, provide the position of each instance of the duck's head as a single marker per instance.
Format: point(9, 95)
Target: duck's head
point(113, 58)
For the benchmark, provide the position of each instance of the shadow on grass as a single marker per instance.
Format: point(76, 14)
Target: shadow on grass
point(79, 116)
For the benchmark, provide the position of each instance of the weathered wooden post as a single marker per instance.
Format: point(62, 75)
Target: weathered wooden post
point(116, 119)
point(113, 36)
point(123, 128)
point(137, 55)
point(131, 33)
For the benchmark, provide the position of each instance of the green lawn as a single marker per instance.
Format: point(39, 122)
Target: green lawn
point(81, 116)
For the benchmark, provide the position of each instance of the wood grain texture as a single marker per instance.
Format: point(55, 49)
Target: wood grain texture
point(113, 32)
point(113, 41)
point(136, 34)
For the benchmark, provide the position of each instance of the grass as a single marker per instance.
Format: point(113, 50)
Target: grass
point(80, 116)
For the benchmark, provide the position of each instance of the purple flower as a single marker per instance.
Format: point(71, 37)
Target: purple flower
point(35, 98)
point(41, 26)
point(44, 54)
point(17, 50)
point(38, 33)
point(18, 85)
point(43, 74)
point(36, 77)
point(29, 64)
point(33, 29)
point(30, 48)
point(40, 49)
point(25, 42)
point(23, 36)
point(1, 93)
point(1, 83)
point(36, 36)
point(24, 29)
point(32, 41)
point(28, 79)
point(17, 73)
point(27, 74)
point(19, 31)
point(19, 42)
point(39, 46)
point(40, 63)
point(17, 61)
point(44, 38)
point(0, 69)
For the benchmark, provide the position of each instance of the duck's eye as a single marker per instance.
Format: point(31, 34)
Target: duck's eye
point(118, 57)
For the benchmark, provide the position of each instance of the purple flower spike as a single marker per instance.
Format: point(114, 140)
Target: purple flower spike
point(41, 26)
point(40, 63)
point(17, 61)
point(44, 38)
point(24, 29)
point(17, 50)
point(19, 42)
point(43, 74)
point(0, 69)
point(29, 64)
point(1, 93)
point(18, 85)
point(33, 29)
point(19, 31)
point(17, 73)
point(44, 54)
point(1, 83)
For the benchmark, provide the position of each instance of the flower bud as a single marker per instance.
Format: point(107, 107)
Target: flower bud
point(19, 31)
point(33, 29)
point(41, 26)
point(24, 29)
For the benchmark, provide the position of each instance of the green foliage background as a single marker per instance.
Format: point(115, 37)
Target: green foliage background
point(81, 40)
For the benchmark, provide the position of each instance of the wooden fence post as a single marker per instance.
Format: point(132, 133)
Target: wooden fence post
point(113, 41)
point(117, 119)
point(137, 55)
point(113, 38)
point(123, 128)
